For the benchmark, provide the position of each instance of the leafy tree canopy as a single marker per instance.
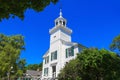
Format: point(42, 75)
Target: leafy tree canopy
point(115, 45)
point(92, 64)
point(10, 49)
point(34, 67)
point(18, 7)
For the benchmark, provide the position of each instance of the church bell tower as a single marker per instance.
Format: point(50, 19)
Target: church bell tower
point(60, 31)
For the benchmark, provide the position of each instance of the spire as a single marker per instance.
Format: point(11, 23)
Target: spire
point(60, 9)
point(60, 20)
point(60, 13)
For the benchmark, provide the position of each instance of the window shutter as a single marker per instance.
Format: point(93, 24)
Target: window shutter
point(47, 71)
point(48, 60)
point(45, 61)
point(72, 50)
point(55, 55)
point(44, 71)
point(66, 53)
point(51, 57)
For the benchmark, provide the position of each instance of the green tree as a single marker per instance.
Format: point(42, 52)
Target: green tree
point(10, 49)
point(70, 71)
point(115, 45)
point(40, 66)
point(20, 67)
point(34, 67)
point(92, 64)
point(18, 7)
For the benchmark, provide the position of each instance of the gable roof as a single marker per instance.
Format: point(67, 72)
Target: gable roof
point(46, 53)
point(67, 43)
point(33, 73)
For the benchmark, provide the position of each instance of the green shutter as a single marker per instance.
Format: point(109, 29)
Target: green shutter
point(45, 60)
point(72, 50)
point(48, 59)
point(51, 56)
point(55, 54)
point(66, 54)
point(44, 71)
point(47, 71)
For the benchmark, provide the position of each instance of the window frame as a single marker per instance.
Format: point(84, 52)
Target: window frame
point(46, 59)
point(69, 52)
point(46, 71)
point(54, 55)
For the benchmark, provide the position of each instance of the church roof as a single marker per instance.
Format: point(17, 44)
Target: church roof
point(33, 73)
point(73, 44)
point(68, 43)
point(66, 29)
point(46, 53)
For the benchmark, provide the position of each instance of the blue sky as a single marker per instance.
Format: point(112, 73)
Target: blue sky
point(94, 23)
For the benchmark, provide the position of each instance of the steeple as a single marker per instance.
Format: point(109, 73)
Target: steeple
point(60, 25)
point(60, 21)
point(61, 13)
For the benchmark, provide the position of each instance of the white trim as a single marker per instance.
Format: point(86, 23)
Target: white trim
point(66, 29)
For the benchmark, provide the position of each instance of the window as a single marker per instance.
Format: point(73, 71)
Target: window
point(80, 49)
point(60, 22)
point(56, 23)
point(54, 55)
point(64, 23)
point(46, 59)
point(70, 52)
point(45, 71)
point(66, 62)
point(54, 36)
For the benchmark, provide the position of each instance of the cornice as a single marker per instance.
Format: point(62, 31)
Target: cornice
point(66, 29)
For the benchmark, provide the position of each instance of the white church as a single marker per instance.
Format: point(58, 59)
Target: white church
point(61, 49)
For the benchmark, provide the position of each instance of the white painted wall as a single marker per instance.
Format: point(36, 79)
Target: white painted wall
point(58, 35)
point(61, 57)
point(64, 36)
point(55, 36)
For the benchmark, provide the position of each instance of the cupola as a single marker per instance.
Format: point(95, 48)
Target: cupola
point(60, 21)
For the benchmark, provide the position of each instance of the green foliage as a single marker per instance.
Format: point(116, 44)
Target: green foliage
point(70, 71)
point(18, 7)
point(115, 45)
point(10, 49)
point(34, 67)
point(92, 64)
point(19, 73)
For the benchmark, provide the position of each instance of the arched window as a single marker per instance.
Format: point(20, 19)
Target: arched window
point(56, 23)
point(64, 23)
point(60, 22)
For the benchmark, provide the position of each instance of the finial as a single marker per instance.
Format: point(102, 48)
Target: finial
point(60, 9)
point(60, 12)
